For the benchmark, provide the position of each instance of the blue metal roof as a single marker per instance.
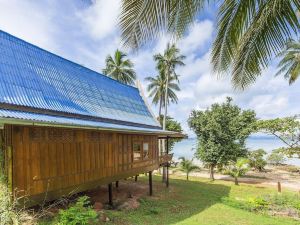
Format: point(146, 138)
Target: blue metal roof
point(35, 78)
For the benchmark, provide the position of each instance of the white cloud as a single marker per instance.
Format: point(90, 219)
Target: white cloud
point(100, 20)
point(199, 34)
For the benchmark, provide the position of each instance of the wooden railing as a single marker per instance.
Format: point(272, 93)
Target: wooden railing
point(163, 159)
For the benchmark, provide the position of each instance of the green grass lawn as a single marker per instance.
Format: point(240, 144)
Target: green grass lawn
point(198, 201)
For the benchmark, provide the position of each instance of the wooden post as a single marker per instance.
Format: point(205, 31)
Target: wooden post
point(279, 186)
point(110, 201)
point(150, 183)
point(135, 178)
point(9, 169)
point(117, 184)
point(167, 178)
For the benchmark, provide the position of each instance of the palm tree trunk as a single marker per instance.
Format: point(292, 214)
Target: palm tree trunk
point(165, 115)
point(160, 107)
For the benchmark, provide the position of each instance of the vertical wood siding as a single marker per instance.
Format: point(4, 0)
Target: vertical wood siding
point(53, 159)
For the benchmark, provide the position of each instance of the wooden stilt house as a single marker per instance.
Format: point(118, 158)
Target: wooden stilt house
point(66, 128)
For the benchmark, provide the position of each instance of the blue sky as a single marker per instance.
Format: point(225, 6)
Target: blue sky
point(85, 31)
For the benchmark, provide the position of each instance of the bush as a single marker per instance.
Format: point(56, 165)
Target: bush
point(276, 157)
point(10, 212)
point(256, 159)
point(81, 213)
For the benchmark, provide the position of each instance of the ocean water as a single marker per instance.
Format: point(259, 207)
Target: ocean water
point(187, 147)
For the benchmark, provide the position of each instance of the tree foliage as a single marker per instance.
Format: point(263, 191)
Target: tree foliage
point(256, 159)
point(285, 129)
point(250, 33)
point(187, 166)
point(157, 89)
point(222, 131)
point(172, 125)
point(276, 157)
point(289, 65)
point(237, 168)
point(119, 68)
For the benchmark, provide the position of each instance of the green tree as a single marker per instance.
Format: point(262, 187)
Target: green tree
point(237, 169)
point(290, 62)
point(187, 166)
point(172, 125)
point(256, 159)
point(119, 68)
point(156, 89)
point(167, 63)
point(285, 129)
point(249, 33)
point(222, 131)
point(276, 157)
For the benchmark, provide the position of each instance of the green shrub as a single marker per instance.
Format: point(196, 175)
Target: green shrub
point(81, 213)
point(257, 203)
point(276, 157)
point(256, 159)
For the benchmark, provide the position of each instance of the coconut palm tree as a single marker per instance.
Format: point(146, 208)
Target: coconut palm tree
point(289, 65)
point(249, 33)
point(119, 68)
point(167, 63)
point(237, 169)
point(187, 166)
point(156, 89)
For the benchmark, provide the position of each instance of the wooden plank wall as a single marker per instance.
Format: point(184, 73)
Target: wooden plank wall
point(52, 159)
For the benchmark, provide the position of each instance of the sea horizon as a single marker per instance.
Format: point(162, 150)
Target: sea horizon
point(187, 147)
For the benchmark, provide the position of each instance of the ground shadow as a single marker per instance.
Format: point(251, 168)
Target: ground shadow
point(180, 201)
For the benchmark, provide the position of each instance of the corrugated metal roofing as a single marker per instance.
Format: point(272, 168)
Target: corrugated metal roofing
point(33, 77)
point(18, 117)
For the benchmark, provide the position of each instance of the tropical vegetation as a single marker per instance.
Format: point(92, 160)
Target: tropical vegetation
point(157, 90)
point(167, 64)
point(221, 131)
point(285, 129)
point(249, 33)
point(257, 159)
point(276, 157)
point(187, 166)
point(289, 65)
point(120, 68)
point(237, 168)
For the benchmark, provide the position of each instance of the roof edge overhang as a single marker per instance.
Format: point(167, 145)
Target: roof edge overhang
point(124, 129)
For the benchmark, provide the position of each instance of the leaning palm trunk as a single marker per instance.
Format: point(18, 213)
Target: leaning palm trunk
point(164, 120)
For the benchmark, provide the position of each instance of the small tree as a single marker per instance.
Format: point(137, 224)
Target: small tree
point(187, 166)
point(256, 159)
point(222, 131)
point(237, 169)
point(285, 129)
point(276, 157)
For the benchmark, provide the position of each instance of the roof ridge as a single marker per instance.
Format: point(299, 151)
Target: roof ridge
point(56, 55)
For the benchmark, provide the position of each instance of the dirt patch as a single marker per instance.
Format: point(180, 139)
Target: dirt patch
point(269, 177)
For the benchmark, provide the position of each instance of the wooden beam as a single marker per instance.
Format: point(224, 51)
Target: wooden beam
point(135, 178)
point(117, 184)
point(110, 200)
point(150, 183)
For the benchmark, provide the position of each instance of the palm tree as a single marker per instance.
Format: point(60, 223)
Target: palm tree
point(166, 64)
point(290, 63)
point(119, 68)
point(237, 169)
point(156, 89)
point(187, 166)
point(249, 33)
